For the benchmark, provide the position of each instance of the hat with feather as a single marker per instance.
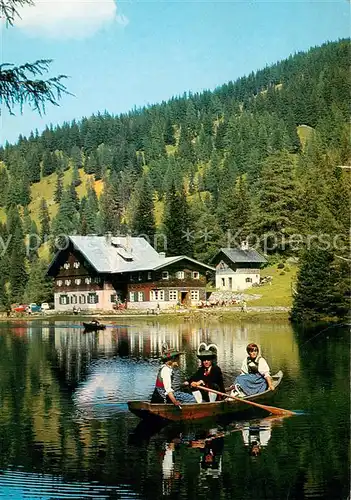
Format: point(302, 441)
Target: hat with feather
point(168, 354)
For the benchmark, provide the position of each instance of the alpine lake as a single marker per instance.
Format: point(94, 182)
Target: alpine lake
point(66, 431)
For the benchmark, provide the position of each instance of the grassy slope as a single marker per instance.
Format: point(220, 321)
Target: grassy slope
point(304, 132)
point(46, 189)
point(279, 292)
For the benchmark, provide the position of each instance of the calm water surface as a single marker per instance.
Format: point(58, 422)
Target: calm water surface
point(65, 429)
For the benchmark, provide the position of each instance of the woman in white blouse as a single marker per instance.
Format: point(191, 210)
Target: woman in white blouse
point(255, 374)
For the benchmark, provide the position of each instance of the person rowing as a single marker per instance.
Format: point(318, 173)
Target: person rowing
point(208, 375)
point(167, 387)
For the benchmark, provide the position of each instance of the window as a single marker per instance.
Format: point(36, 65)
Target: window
point(87, 281)
point(165, 275)
point(97, 280)
point(248, 280)
point(93, 298)
point(77, 281)
point(133, 278)
point(140, 296)
point(113, 298)
point(131, 297)
point(223, 281)
point(76, 264)
point(66, 265)
point(194, 294)
point(196, 275)
point(173, 295)
point(63, 299)
point(230, 282)
point(149, 275)
point(140, 277)
point(82, 299)
point(180, 275)
point(67, 282)
point(157, 295)
point(73, 299)
point(59, 282)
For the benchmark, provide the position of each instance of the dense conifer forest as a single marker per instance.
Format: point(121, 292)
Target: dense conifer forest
point(259, 158)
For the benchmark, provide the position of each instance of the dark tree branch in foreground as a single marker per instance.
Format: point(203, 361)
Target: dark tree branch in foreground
point(18, 85)
point(8, 8)
point(17, 88)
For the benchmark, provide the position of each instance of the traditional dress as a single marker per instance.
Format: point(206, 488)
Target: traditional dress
point(168, 380)
point(212, 377)
point(252, 379)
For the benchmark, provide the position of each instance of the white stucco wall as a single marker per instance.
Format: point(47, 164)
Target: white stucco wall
point(164, 304)
point(104, 301)
point(105, 304)
point(238, 279)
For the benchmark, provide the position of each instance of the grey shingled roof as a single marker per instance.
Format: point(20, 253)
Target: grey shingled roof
point(239, 255)
point(122, 254)
point(171, 260)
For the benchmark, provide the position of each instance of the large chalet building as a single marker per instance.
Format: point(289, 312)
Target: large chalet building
point(103, 272)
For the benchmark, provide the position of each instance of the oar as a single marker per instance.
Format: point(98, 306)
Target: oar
point(271, 409)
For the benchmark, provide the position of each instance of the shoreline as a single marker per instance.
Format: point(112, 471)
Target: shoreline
point(263, 313)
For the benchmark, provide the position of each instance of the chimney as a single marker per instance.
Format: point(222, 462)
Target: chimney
point(128, 244)
point(162, 255)
point(108, 237)
point(244, 245)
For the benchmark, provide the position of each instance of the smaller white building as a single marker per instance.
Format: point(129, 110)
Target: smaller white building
point(237, 268)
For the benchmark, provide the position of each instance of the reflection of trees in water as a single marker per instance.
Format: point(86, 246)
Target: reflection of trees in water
point(75, 350)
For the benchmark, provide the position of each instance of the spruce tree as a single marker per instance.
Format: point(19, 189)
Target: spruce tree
point(33, 242)
point(49, 163)
point(76, 156)
point(34, 167)
point(4, 185)
point(315, 286)
point(39, 287)
point(185, 146)
point(27, 221)
point(87, 215)
point(169, 136)
point(44, 219)
point(275, 210)
point(59, 186)
point(18, 273)
point(66, 221)
point(177, 224)
point(111, 207)
point(143, 217)
point(76, 180)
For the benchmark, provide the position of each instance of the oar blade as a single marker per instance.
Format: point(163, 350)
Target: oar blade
point(271, 409)
point(277, 411)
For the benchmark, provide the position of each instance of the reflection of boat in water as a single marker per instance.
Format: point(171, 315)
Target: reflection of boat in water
point(202, 443)
point(93, 327)
point(144, 409)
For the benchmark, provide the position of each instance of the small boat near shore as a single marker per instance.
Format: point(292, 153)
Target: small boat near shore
point(93, 327)
point(144, 409)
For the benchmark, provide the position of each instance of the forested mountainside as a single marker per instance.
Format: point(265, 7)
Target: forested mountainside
point(258, 158)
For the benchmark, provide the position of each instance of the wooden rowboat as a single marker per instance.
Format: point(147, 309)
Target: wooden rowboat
point(144, 409)
point(93, 327)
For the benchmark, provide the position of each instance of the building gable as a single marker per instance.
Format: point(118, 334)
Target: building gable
point(238, 258)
